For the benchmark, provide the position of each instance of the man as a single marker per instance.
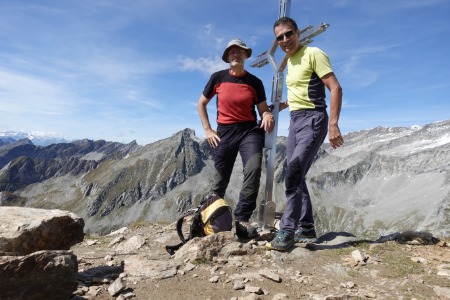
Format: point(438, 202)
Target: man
point(238, 94)
point(309, 72)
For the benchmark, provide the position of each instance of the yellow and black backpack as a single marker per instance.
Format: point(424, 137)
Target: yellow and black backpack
point(211, 216)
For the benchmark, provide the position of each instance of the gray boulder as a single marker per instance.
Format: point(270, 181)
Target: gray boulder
point(40, 275)
point(26, 230)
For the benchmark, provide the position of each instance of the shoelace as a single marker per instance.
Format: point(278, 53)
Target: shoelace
point(281, 236)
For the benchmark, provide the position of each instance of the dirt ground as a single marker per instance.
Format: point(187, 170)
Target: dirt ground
point(338, 268)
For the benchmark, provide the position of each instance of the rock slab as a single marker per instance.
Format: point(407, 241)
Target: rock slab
point(25, 230)
point(41, 275)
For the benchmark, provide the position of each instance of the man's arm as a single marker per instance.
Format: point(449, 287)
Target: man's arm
point(334, 134)
point(211, 135)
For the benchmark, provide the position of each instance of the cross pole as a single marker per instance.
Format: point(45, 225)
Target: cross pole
point(267, 208)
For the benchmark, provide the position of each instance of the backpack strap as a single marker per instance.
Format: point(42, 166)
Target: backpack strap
point(180, 225)
point(172, 248)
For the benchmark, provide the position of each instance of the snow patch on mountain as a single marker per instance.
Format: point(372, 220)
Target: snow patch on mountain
point(38, 138)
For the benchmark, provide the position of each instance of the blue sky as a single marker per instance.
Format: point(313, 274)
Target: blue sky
point(134, 70)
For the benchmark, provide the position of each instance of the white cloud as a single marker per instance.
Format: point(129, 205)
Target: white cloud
point(22, 93)
point(207, 66)
point(357, 75)
point(135, 96)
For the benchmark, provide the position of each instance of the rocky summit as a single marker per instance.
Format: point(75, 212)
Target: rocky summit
point(132, 263)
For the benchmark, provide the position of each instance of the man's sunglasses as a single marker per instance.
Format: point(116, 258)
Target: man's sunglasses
point(287, 34)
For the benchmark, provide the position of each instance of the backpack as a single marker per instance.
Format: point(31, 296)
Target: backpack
point(211, 216)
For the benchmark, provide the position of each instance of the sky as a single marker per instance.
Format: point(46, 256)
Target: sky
point(134, 70)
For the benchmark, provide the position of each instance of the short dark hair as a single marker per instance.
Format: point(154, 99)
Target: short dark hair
point(286, 20)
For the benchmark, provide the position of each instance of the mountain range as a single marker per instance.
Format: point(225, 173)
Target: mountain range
point(382, 180)
point(38, 138)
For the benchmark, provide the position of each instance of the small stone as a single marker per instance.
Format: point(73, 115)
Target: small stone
point(129, 295)
point(189, 267)
point(442, 243)
point(444, 272)
point(280, 296)
point(419, 260)
point(270, 275)
point(108, 258)
point(93, 291)
point(254, 290)
point(91, 242)
point(239, 285)
point(116, 287)
point(358, 256)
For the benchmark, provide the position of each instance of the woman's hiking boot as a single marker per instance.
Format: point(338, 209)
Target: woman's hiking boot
point(245, 230)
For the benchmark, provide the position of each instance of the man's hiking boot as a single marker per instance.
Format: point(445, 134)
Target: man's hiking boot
point(282, 242)
point(245, 230)
point(305, 236)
